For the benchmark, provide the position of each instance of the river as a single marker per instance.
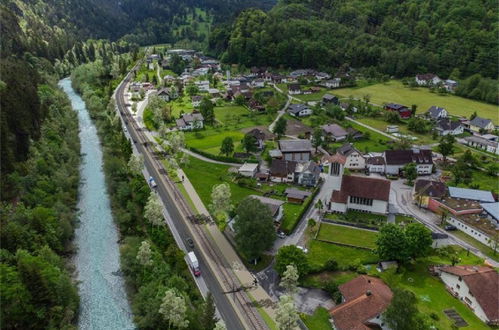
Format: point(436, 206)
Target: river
point(103, 300)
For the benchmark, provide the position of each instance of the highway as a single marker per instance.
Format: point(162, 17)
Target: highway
point(247, 316)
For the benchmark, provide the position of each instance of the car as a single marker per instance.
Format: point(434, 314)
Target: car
point(281, 234)
point(435, 235)
point(190, 242)
point(450, 228)
point(304, 249)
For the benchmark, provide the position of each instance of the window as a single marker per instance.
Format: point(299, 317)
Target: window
point(457, 286)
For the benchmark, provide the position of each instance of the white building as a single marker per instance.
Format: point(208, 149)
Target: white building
point(375, 164)
point(427, 79)
point(190, 121)
point(354, 158)
point(477, 287)
point(472, 231)
point(203, 85)
point(395, 160)
point(248, 169)
point(299, 110)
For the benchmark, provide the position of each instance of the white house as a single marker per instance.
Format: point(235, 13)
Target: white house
point(354, 158)
point(258, 83)
point(196, 100)
point(203, 85)
point(427, 79)
point(294, 89)
point(190, 121)
point(332, 83)
point(436, 113)
point(477, 287)
point(299, 110)
point(356, 192)
point(376, 164)
point(478, 123)
point(481, 143)
point(164, 94)
point(395, 160)
point(472, 231)
point(447, 126)
point(248, 169)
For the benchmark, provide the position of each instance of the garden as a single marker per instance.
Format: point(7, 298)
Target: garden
point(347, 235)
point(356, 218)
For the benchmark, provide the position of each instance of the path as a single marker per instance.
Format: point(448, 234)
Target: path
point(372, 129)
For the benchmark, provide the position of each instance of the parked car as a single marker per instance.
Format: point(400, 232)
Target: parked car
point(450, 228)
point(281, 234)
point(190, 242)
point(304, 249)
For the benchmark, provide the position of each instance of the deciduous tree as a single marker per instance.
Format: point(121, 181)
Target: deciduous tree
point(280, 127)
point(153, 210)
point(136, 164)
point(291, 255)
point(227, 147)
point(144, 254)
point(289, 279)
point(174, 310)
point(286, 314)
point(402, 313)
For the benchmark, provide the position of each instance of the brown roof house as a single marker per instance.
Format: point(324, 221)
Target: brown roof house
point(475, 286)
point(356, 192)
point(334, 132)
point(396, 159)
point(424, 190)
point(365, 298)
point(296, 150)
point(259, 136)
point(282, 170)
point(190, 121)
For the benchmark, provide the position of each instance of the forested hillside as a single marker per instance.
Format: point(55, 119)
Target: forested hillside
point(394, 37)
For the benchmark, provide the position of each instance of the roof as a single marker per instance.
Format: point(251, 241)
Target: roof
point(275, 153)
point(196, 98)
point(257, 133)
point(376, 160)
point(336, 158)
point(281, 167)
point(347, 149)
point(396, 106)
point(294, 87)
point(248, 167)
point(272, 204)
point(480, 122)
point(296, 193)
point(402, 157)
point(430, 188)
point(329, 97)
point(295, 146)
point(434, 111)
point(426, 76)
point(365, 298)
point(483, 283)
point(448, 125)
point(309, 166)
point(481, 140)
point(361, 186)
point(492, 209)
point(473, 194)
point(296, 108)
point(334, 129)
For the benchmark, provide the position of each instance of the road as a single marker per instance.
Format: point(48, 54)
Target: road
point(246, 316)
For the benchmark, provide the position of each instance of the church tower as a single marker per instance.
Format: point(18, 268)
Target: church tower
point(336, 167)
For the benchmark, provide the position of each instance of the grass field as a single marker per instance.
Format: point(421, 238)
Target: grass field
point(319, 280)
point(320, 252)
point(317, 321)
point(381, 125)
point(394, 91)
point(347, 235)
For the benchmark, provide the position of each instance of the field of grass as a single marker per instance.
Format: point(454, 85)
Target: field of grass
point(394, 91)
point(319, 280)
point(313, 97)
point(347, 235)
point(320, 252)
point(317, 321)
point(376, 142)
point(381, 125)
point(181, 104)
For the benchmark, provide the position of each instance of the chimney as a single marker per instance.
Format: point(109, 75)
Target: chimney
point(368, 293)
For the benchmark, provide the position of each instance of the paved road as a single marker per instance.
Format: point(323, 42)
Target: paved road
point(233, 319)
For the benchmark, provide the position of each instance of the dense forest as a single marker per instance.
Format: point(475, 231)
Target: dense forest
point(399, 38)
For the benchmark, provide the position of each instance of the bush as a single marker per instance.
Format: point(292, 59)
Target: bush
point(434, 316)
point(331, 265)
point(332, 288)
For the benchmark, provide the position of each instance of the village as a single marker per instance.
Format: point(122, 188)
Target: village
point(334, 167)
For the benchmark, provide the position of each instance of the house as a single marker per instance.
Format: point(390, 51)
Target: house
point(259, 136)
point(164, 94)
point(203, 85)
point(275, 154)
point(450, 85)
point(299, 110)
point(354, 158)
point(392, 129)
point(190, 121)
point(214, 92)
point(471, 194)
point(282, 170)
point(294, 89)
point(307, 174)
point(364, 299)
point(376, 164)
point(490, 137)
point(478, 124)
point(258, 83)
point(274, 205)
point(428, 79)
point(475, 286)
point(332, 83)
point(477, 227)
point(345, 106)
point(403, 111)
point(255, 105)
point(329, 99)
point(424, 190)
point(447, 126)
point(436, 113)
point(481, 143)
point(322, 76)
point(248, 169)
point(297, 150)
point(196, 100)
point(354, 134)
point(297, 196)
point(395, 160)
point(491, 211)
point(334, 132)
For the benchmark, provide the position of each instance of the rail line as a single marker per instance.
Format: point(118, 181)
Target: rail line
point(227, 279)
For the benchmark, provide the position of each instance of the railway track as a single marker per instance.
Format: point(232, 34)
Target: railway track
point(226, 277)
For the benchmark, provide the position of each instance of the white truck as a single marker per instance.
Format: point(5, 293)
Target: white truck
point(193, 263)
point(152, 183)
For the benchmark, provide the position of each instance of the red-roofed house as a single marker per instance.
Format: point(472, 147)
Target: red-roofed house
point(477, 287)
point(365, 298)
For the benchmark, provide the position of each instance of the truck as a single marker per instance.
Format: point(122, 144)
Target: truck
point(194, 264)
point(152, 183)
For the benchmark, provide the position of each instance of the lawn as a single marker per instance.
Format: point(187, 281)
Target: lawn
point(488, 251)
point(394, 91)
point(380, 124)
point(318, 280)
point(355, 217)
point(348, 235)
point(403, 219)
point(291, 213)
point(317, 321)
point(320, 252)
point(375, 143)
point(314, 96)
point(181, 104)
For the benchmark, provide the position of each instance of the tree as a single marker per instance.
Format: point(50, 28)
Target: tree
point(176, 141)
point(402, 313)
point(240, 99)
point(391, 243)
point(403, 143)
point(254, 228)
point(418, 240)
point(136, 164)
point(153, 210)
point(227, 147)
point(414, 108)
point(291, 255)
point(280, 127)
point(446, 146)
point(392, 117)
point(192, 89)
point(221, 198)
point(249, 143)
point(473, 115)
point(410, 172)
point(209, 318)
point(289, 279)
point(206, 109)
point(317, 138)
point(320, 206)
point(286, 314)
point(220, 325)
point(144, 254)
point(174, 310)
